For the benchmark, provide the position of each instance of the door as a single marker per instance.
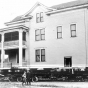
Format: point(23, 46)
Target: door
point(68, 61)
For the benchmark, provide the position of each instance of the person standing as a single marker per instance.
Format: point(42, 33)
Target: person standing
point(24, 78)
point(28, 77)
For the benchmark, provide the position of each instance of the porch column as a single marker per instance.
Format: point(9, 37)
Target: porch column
point(20, 47)
point(2, 50)
point(27, 56)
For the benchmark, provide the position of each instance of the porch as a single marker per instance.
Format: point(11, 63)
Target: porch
point(13, 46)
point(11, 58)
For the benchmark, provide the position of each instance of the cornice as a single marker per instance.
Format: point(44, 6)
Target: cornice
point(22, 20)
point(14, 27)
point(66, 9)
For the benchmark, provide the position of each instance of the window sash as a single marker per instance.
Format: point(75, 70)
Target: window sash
point(73, 30)
point(73, 33)
point(59, 35)
point(11, 36)
point(24, 36)
point(41, 17)
point(59, 32)
point(37, 35)
point(40, 55)
point(37, 17)
point(42, 34)
point(0, 37)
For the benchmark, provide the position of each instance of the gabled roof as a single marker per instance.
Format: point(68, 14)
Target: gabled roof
point(36, 5)
point(27, 15)
point(70, 4)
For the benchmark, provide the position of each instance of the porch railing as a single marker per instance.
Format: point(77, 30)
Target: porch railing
point(11, 43)
point(7, 64)
point(24, 63)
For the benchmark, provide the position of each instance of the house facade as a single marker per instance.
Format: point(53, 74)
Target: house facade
point(47, 37)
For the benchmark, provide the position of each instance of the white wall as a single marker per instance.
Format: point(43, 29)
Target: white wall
point(57, 49)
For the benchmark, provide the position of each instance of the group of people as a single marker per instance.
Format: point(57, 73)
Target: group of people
point(26, 77)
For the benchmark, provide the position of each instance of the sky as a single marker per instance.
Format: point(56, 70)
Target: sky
point(9, 9)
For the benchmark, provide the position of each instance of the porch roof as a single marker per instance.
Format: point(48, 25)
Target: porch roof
point(14, 27)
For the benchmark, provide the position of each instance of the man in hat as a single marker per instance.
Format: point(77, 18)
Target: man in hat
point(28, 77)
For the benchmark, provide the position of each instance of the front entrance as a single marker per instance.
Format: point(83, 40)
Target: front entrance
point(68, 61)
point(13, 56)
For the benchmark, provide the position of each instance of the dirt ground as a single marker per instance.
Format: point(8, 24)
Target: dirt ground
point(45, 85)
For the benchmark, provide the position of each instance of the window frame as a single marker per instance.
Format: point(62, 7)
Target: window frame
point(42, 34)
point(24, 36)
point(0, 37)
point(36, 35)
point(73, 30)
point(59, 32)
point(40, 55)
point(39, 17)
point(11, 36)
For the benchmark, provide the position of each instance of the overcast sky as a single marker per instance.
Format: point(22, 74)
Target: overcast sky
point(9, 9)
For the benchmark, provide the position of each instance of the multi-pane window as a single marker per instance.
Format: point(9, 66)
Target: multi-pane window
point(40, 55)
point(42, 33)
point(39, 17)
point(24, 36)
point(59, 32)
point(39, 34)
point(11, 36)
point(73, 30)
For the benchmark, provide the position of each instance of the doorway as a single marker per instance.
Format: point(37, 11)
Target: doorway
point(68, 61)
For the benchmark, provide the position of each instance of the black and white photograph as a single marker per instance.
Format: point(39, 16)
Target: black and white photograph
point(43, 43)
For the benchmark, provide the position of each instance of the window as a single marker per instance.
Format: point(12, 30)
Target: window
point(24, 36)
point(68, 61)
point(73, 30)
point(40, 55)
point(42, 34)
point(11, 36)
point(59, 32)
point(39, 17)
point(39, 34)
point(0, 37)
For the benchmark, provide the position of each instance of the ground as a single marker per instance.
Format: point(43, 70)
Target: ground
point(45, 85)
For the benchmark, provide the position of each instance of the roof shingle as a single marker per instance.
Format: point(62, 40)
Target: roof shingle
point(70, 4)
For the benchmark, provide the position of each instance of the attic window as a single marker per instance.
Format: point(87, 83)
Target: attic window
point(39, 17)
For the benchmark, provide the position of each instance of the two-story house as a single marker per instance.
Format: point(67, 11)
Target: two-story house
point(47, 37)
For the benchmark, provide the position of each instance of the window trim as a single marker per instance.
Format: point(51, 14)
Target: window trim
point(40, 34)
point(59, 32)
point(11, 36)
point(73, 30)
point(40, 55)
point(37, 35)
point(39, 17)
